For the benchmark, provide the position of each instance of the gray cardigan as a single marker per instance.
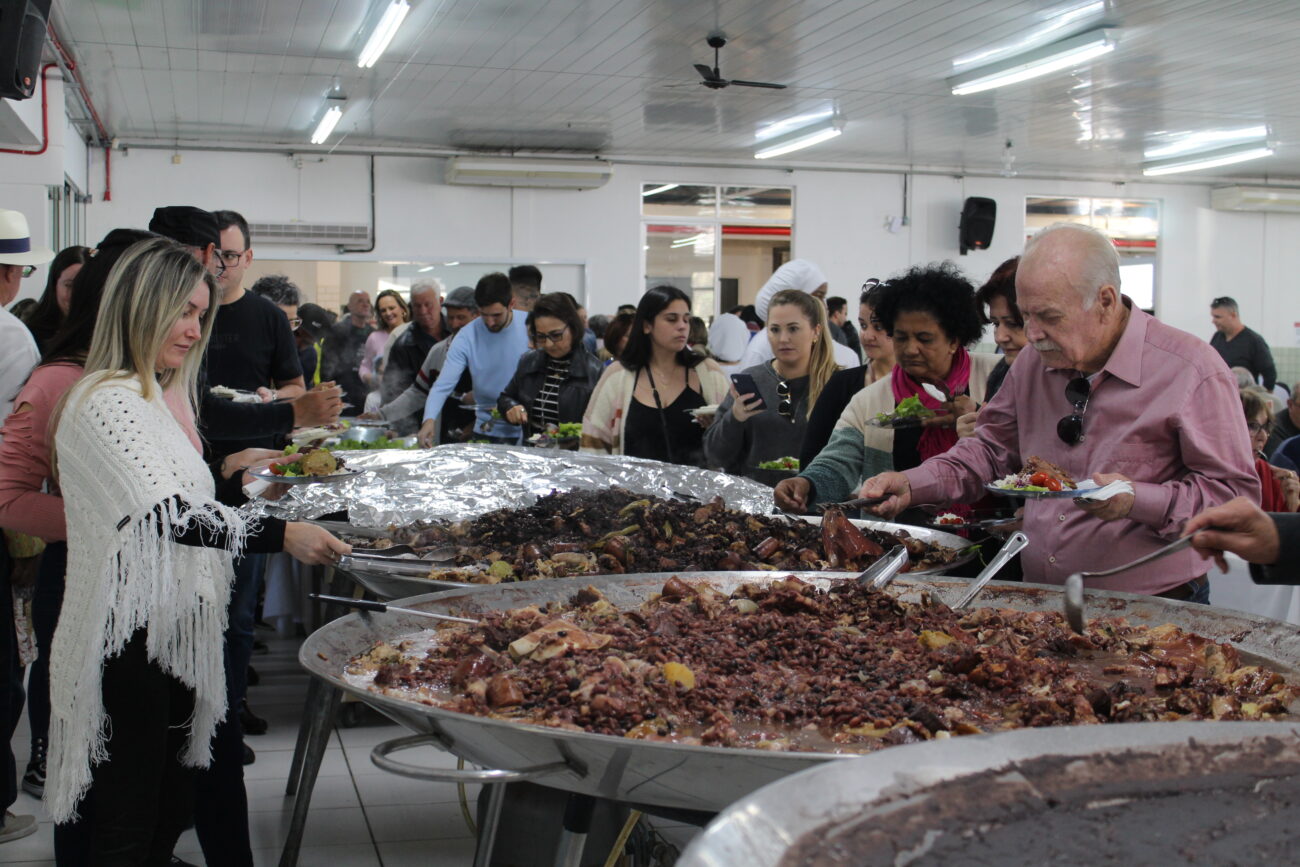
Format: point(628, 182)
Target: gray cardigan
point(739, 447)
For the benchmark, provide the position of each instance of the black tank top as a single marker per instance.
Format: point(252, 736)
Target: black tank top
point(668, 434)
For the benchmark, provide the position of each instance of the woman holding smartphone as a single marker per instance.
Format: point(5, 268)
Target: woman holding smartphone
point(766, 414)
point(643, 402)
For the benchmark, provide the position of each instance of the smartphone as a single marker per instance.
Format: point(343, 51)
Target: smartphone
point(745, 384)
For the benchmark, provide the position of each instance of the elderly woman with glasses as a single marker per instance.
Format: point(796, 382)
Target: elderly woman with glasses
point(1280, 486)
point(751, 428)
point(553, 382)
point(931, 314)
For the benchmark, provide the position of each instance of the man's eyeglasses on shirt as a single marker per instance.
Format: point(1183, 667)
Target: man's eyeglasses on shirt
point(294, 323)
point(550, 336)
point(1070, 428)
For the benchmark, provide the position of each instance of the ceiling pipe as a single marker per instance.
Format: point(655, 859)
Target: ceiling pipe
point(45, 119)
point(859, 168)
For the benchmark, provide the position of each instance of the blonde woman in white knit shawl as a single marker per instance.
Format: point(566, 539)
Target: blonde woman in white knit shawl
point(136, 675)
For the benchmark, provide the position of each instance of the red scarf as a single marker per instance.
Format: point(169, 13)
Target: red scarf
point(934, 440)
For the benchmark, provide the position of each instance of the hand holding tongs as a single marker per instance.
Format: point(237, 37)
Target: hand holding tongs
point(1014, 544)
point(384, 607)
point(858, 503)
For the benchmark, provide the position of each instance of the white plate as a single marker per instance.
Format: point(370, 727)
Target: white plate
point(1083, 488)
point(711, 409)
point(342, 475)
point(234, 395)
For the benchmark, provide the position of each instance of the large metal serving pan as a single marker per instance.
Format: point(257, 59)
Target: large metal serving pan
point(686, 777)
point(758, 830)
point(398, 578)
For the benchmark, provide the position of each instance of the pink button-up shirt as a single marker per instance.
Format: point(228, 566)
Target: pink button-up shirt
point(1164, 411)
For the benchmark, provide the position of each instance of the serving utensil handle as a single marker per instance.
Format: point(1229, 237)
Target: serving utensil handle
point(1014, 545)
point(379, 757)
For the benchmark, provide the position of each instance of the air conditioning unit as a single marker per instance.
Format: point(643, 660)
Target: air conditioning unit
point(325, 234)
point(1281, 199)
point(505, 172)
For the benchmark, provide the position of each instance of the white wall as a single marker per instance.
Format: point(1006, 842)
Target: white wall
point(840, 222)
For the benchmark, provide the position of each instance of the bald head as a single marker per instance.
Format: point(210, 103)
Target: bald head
point(1080, 255)
point(359, 307)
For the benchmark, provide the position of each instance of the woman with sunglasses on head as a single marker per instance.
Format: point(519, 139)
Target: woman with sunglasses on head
point(137, 679)
point(843, 384)
point(553, 382)
point(642, 404)
point(752, 428)
point(52, 309)
point(930, 313)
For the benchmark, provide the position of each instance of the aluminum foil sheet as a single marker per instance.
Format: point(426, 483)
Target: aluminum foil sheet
point(455, 482)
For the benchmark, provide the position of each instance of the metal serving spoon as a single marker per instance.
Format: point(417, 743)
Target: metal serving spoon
point(1073, 600)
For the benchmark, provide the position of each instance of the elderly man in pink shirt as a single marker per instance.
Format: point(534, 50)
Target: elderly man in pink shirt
point(1106, 392)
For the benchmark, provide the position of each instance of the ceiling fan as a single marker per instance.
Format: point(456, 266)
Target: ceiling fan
point(713, 79)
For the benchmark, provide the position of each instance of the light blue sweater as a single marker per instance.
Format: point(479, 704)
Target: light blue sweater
point(491, 359)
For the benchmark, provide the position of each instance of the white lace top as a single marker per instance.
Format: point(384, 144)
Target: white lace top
point(130, 474)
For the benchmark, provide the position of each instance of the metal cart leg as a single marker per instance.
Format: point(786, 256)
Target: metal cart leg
point(487, 832)
point(577, 824)
point(314, 754)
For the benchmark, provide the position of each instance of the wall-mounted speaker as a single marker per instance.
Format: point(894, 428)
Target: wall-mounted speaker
point(978, 215)
point(22, 38)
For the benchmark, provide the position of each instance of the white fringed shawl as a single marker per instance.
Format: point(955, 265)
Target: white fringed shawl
point(121, 456)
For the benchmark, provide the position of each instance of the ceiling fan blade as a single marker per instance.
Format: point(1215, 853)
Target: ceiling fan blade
point(706, 73)
point(737, 81)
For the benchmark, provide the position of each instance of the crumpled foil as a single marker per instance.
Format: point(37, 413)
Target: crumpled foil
point(455, 482)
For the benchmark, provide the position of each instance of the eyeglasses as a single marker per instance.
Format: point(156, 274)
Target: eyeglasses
point(1070, 428)
point(231, 257)
point(1258, 427)
point(29, 270)
point(549, 337)
point(786, 406)
point(294, 323)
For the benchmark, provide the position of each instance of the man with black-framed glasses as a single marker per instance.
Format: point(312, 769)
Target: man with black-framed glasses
point(1109, 393)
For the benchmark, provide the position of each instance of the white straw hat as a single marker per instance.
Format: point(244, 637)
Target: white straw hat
point(16, 242)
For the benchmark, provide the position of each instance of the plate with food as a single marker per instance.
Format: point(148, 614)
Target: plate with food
point(315, 465)
point(909, 412)
point(234, 395)
point(953, 522)
point(563, 435)
point(789, 464)
point(1040, 479)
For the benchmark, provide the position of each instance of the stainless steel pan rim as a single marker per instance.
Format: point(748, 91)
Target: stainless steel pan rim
point(759, 829)
point(400, 578)
point(689, 776)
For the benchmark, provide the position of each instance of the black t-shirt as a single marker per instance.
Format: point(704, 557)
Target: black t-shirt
point(252, 347)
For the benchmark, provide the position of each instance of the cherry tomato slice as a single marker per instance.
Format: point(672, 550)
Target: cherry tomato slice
point(277, 470)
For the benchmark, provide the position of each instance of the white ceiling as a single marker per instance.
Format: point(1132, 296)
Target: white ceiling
point(615, 77)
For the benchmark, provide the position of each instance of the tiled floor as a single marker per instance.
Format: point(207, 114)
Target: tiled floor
point(359, 815)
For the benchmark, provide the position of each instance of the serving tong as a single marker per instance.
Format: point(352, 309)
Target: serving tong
point(1014, 545)
point(860, 502)
point(385, 608)
point(881, 573)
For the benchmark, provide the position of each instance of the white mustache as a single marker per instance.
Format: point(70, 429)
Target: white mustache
point(1045, 346)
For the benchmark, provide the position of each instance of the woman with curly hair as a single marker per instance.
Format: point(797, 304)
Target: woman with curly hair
point(932, 316)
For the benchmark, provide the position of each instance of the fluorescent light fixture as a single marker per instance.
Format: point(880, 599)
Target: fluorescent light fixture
point(800, 138)
point(424, 269)
point(383, 33)
point(657, 190)
point(1190, 142)
point(1065, 54)
point(1208, 159)
point(450, 264)
point(327, 123)
point(1054, 21)
point(790, 124)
